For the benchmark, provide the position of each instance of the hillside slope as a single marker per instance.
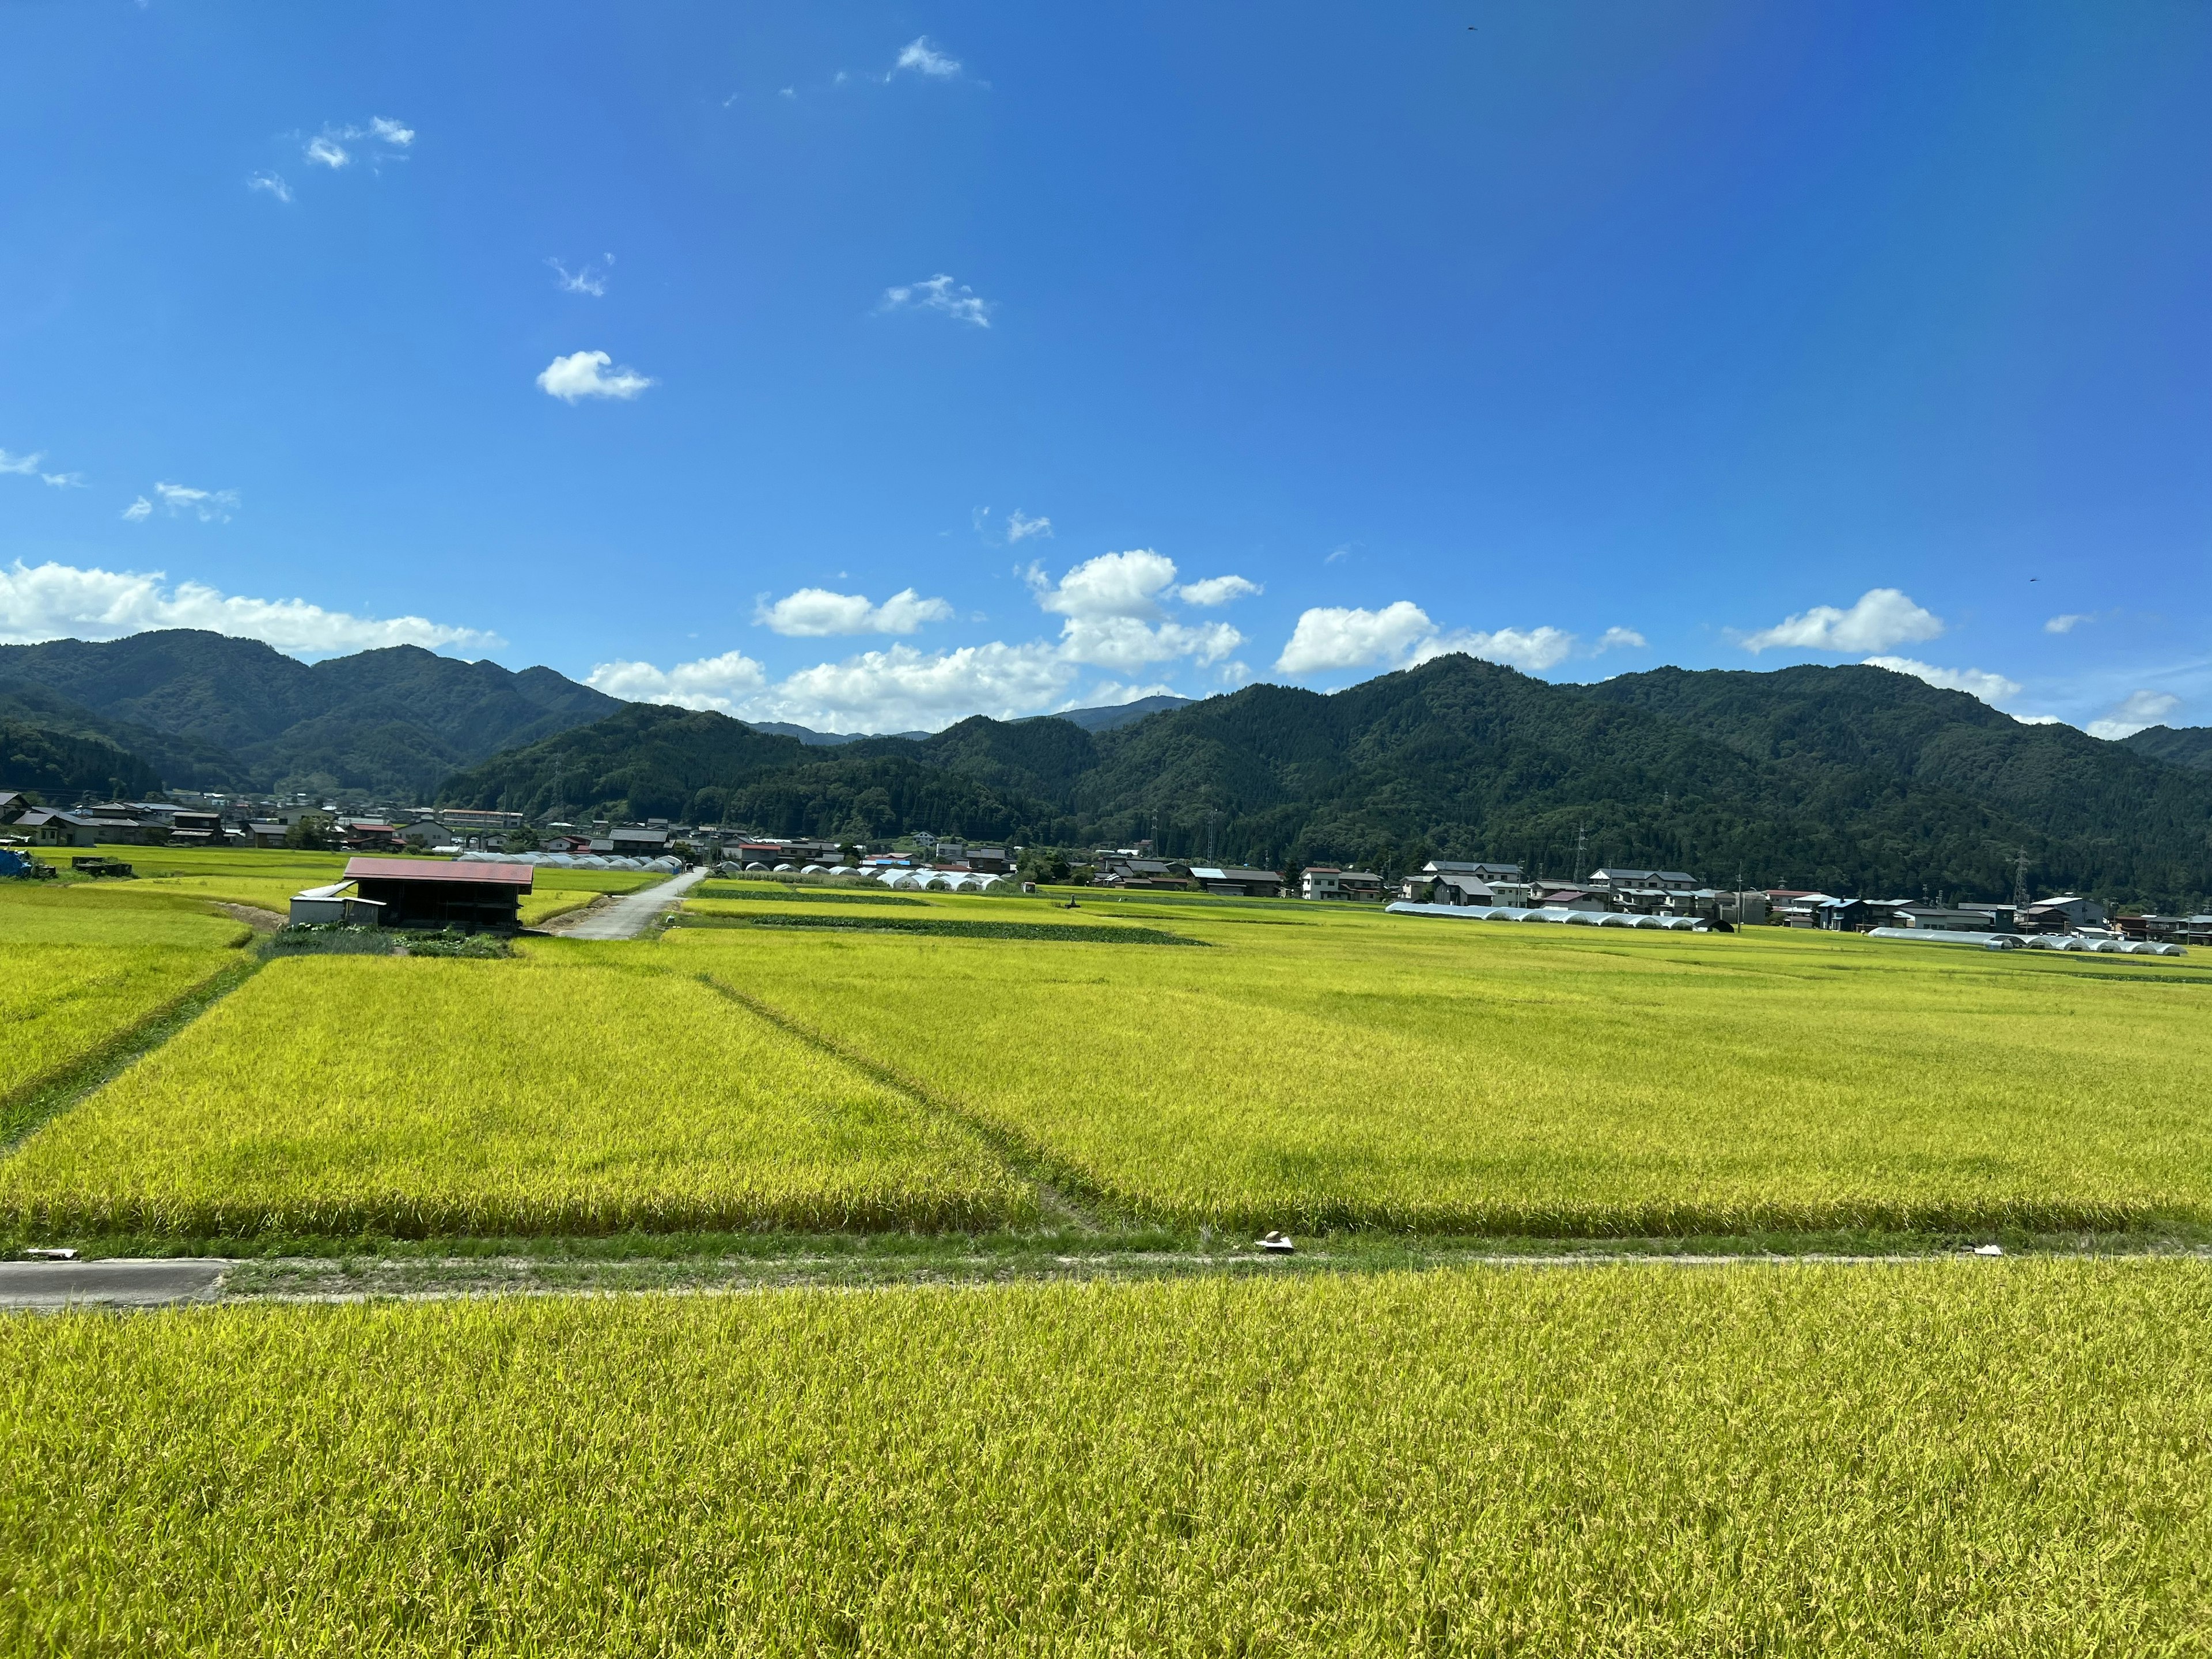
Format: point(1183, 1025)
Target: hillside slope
point(231, 713)
point(1855, 778)
point(2185, 745)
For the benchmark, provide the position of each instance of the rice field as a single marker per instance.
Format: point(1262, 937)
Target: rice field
point(78, 978)
point(1983, 1459)
point(573, 1091)
point(1331, 1069)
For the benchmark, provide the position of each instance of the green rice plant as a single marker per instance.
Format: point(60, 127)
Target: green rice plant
point(1928, 1462)
point(342, 1094)
point(793, 895)
point(937, 926)
point(1368, 1070)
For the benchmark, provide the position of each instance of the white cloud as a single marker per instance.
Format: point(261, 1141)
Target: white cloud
point(1020, 527)
point(1992, 688)
point(1127, 643)
point(1217, 590)
point(924, 59)
point(1129, 583)
point(391, 132)
point(578, 375)
point(328, 152)
point(940, 293)
point(895, 690)
point(273, 183)
point(27, 466)
point(2140, 709)
point(1882, 617)
point(208, 506)
point(58, 601)
point(1343, 636)
point(710, 683)
point(2065, 624)
point(1402, 635)
point(584, 280)
point(816, 612)
point(1531, 650)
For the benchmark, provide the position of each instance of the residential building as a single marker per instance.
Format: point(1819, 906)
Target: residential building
point(2062, 915)
point(12, 805)
point(266, 832)
point(990, 861)
point(1327, 881)
point(44, 827)
point(1488, 875)
point(1451, 887)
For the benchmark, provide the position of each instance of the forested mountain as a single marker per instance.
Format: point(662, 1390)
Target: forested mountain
point(2186, 745)
point(1855, 778)
point(62, 767)
point(212, 712)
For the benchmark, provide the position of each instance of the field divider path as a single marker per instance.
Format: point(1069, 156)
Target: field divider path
point(631, 914)
point(48, 1098)
point(1053, 1196)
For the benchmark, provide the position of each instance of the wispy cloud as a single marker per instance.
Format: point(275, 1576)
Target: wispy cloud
point(816, 612)
point(1992, 688)
point(273, 183)
point(1882, 617)
point(939, 293)
point(208, 506)
point(28, 467)
point(58, 601)
point(2066, 624)
point(1020, 527)
point(583, 374)
point(2139, 710)
point(1217, 590)
point(926, 60)
point(386, 136)
point(588, 280)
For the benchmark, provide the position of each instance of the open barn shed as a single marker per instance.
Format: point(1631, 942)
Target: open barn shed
point(430, 893)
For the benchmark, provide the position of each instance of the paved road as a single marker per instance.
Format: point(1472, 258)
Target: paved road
point(127, 1284)
point(632, 914)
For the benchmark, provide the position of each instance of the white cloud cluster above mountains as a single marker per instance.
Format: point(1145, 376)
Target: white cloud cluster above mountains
point(1882, 617)
point(1116, 613)
point(58, 601)
point(1333, 638)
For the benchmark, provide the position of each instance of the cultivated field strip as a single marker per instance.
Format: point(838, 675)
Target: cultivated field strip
point(1352, 1071)
point(571, 1092)
point(1986, 1459)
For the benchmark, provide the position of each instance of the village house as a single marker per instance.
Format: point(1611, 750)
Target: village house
point(1237, 881)
point(1327, 881)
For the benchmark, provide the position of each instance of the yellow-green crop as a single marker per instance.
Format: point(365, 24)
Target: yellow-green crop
point(81, 972)
point(1325, 1068)
point(1951, 1459)
point(559, 1092)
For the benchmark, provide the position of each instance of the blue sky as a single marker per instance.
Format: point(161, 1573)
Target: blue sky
point(965, 359)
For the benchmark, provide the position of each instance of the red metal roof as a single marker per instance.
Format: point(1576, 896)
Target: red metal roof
point(495, 875)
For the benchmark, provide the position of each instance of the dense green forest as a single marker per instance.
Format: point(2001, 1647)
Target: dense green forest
point(1851, 779)
point(62, 769)
point(211, 712)
point(2187, 745)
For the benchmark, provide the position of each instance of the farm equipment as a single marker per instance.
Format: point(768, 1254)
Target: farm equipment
point(94, 865)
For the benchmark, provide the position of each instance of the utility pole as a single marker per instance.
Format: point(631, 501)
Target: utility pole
point(1580, 833)
point(2020, 899)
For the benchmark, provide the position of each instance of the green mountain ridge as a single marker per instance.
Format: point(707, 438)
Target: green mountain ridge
point(212, 712)
point(2186, 745)
point(1854, 779)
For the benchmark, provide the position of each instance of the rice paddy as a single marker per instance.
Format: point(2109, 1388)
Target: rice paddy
point(1946, 1459)
point(347, 1094)
point(1349, 1069)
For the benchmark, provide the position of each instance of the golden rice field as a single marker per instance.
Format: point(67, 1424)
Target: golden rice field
point(581, 1091)
point(78, 978)
point(1948, 1459)
point(1323, 1069)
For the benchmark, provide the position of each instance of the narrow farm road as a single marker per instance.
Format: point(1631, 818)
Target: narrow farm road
point(632, 914)
point(117, 1283)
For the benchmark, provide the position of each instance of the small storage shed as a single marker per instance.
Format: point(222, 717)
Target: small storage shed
point(428, 893)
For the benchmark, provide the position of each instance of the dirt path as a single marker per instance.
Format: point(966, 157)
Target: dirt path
point(630, 914)
point(260, 921)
